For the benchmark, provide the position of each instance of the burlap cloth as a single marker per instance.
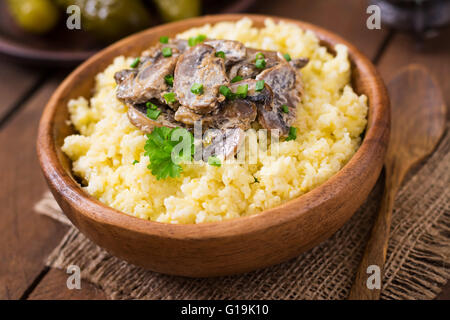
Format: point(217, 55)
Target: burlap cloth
point(417, 262)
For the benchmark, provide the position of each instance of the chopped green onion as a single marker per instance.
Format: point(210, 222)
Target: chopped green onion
point(260, 63)
point(242, 91)
point(214, 161)
point(164, 39)
point(151, 105)
point(197, 88)
point(287, 56)
point(135, 62)
point(292, 134)
point(260, 55)
point(226, 92)
point(285, 108)
point(170, 97)
point(167, 52)
point(153, 114)
point(256, 180)
point(135, 161)
point(220, 54)
point(259, 85)
point(192, 41)
point(236, 79)
point(169, 79)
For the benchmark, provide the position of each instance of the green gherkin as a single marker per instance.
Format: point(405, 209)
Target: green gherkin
point(36, 16)
point(172, 10)
point(111, 19)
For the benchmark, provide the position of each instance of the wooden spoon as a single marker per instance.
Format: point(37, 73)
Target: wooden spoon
point(418, 123)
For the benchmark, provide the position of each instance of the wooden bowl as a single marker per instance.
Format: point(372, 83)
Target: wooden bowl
point(220, 248)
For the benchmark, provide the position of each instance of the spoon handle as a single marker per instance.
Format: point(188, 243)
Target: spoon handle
point(365, 288)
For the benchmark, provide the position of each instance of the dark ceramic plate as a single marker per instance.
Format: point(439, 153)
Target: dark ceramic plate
point(62, 47)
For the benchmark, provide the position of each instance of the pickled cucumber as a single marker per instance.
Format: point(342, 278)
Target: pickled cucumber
point(172, 10)
point(36, 16)
point(111, 19)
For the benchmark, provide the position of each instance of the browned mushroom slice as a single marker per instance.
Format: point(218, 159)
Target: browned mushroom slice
point(225, 144)
point(138, 117)
point(299, 63)
point(189, 117)
point(237, 113)
point(147, 82)
point(234, 50)
point(199, 65)
point(287, 89)
point(246, 68)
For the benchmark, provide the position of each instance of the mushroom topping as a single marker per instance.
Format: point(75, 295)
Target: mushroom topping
point(199, 66)
point(148, 80)
point(221, 83)
point(287, 89)
point(138, 116)
point(233, 51)
point(224, 143)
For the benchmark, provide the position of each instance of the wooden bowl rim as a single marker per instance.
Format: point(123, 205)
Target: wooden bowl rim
point(93, 209)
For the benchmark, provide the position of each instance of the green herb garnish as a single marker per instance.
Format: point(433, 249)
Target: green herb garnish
point(214, 161)
point(236, 79)
point(135, 161)
point(197, 88)
point(285, 108)
point(260, 63)
point(135, 63)
point(153, 113)
point(159, 147)
point(226, 92)
point(167, 52)
point(242, 91)
point(260, 55)
point(192, 41)
point(287, 56)
point(220, 54)
point(169, 79)
point(170, 97)
point(151, 105)
point(292, 134)
point(164, 39)
point(259, 85)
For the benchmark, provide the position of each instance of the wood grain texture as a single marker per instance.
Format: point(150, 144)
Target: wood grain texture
point(435, 56)
point(53, 287)
point(345, 18)
point(15, 82)
point(26, 238)
point(234, 246)
point(418, 123)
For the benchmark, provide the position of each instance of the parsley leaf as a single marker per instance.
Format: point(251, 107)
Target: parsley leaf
point(159, 147)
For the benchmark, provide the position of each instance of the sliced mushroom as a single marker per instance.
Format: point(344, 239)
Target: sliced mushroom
point(137, 115)
point(234, 50)
point(299, 63)
point(225, 143)
point(199, 65)
point(287, 89)
point(147, 82)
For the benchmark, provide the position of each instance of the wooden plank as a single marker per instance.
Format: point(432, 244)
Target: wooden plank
point(346, 18)
point(435, 55)
point(16, 81)
point(53, 286)
point(25, 237)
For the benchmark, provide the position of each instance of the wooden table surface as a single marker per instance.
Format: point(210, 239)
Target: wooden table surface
point(26, 238)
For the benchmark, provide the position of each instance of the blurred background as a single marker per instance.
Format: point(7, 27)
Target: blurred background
point(36, 31)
